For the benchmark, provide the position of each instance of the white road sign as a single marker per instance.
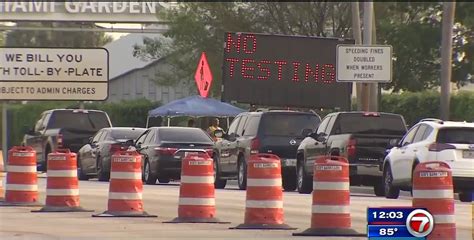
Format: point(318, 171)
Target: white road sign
point(364, 63)
point(54, 73)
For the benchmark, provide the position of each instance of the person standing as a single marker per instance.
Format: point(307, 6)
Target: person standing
point(214, 126)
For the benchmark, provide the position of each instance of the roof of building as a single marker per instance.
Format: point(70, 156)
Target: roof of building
point(121, 59)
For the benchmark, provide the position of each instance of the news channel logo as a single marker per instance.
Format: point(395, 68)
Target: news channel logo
point(399, 223)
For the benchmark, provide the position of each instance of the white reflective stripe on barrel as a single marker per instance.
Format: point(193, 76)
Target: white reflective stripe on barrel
point(264, 204)
point(433, 194)
point(21, 169)
point(269, 182)
point(61, 173)
point(444, 219)
point(330, 185)
point(126, 175)
point(62, 192)
point(22, 187)
point(125, 196)
point(331, 209)
point(197, 179)
point(197, 201)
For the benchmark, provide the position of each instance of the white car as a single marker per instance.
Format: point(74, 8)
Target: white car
point(432, 140)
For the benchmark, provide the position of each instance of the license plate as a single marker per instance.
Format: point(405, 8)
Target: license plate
point(468, 154)
point(289, 162)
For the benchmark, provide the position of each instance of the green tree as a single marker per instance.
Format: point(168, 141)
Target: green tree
point(47, 38)
point(414, 31)
point(198, 27)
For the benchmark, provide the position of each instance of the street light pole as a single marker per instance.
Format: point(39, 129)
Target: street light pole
point(446, 57)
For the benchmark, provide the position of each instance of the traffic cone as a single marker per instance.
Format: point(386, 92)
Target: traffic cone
point(331, 213)
point(196, 192)
point(62, 188)
point(264, 200)
point(22, 181)
point(125, 187)
point(433, 190)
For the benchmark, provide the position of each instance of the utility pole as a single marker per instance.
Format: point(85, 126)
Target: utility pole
point(446, 57)
point(368, 15)
point(356, 32)
point(374, 87)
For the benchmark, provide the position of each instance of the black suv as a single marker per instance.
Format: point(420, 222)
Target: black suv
point(277, 132)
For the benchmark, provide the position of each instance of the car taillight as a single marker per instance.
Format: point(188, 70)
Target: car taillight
point(438, 147)
point(351, 148)
point(371, 114)
point(114, 148)
point(254, 146)
point(166, 151)
point(60, 140)
point(209, 152)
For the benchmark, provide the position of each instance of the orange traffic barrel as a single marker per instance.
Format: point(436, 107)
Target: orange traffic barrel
point(331, 210)
point(22, 180)
point(196, 192)
point(264, 200)
point(125, 187)
point(2, 175)
point(433, 190)
point(62, 187)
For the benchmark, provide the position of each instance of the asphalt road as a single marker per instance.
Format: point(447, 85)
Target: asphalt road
point(161, 200)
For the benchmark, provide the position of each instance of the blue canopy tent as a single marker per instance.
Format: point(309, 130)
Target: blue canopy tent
point(195, 106)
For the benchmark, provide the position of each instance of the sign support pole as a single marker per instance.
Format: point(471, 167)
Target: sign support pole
point(358, 40)
point(4, 133)
point(368, 12)
point(374, 87)
point(446, 57)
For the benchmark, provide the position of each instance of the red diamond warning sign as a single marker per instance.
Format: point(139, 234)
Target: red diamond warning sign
point(203, 76)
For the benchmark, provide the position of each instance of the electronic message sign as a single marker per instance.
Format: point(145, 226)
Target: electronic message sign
point(285, 71)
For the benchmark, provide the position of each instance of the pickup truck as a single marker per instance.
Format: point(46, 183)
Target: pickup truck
point(362, 137)
point(63, 128)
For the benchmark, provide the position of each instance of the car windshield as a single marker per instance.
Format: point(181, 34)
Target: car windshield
point(184, 135)
point(456, 135)
point(378, 124)
point(89, 121)
point(131, 133)
point(288, 124)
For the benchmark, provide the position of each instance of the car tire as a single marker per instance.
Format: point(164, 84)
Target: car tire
point(379, 189)
point(304, 184)
point(289, 180)
point(391, 192)
point(163, 180)
point(102, 176)
point(242, 174)
point(150, 178)
point(80, 173)
point(465, 196)
point(219, 183)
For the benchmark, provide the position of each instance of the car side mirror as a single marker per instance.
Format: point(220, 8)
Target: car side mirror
point(232, 137)
point(129, 143)
point(138, 145)
point(306, 132)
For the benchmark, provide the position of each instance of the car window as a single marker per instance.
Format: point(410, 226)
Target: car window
point(150, 138)
point(39, 123)
point(428, 131)
point(46, 120)
point(409, 136)
point(323, 125)
point(234, 125)
point(330, 125)
point(105, 136)
point(252, 126)
point(184, 135)
point(141, 139)
point(126, 133)
point(240, 128)
point(456, 135)
point(285, 124)
point(97, 136)
point(369, 123)
point(420, 133)
point(83, 120)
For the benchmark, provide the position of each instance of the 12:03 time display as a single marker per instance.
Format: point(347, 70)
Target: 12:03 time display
point(387, 215)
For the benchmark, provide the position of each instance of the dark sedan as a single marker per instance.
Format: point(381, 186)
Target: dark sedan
point(93, 159)
point(159, 146)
